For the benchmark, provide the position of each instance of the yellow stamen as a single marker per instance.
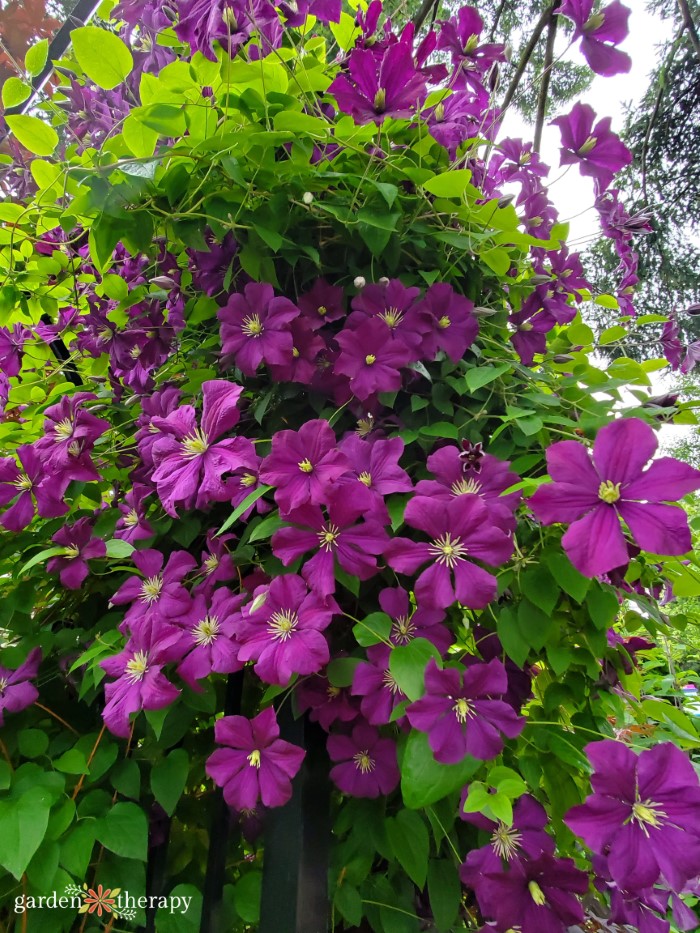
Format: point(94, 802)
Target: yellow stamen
point(609, 492)
point(206, 631)
point(505, 841)
point(282, 624)
point(465, 487)
point(137, 667)
point(648, 813)
point(363, 762)
point(328, 536)
point(131, 519)
point(254, 758)
point(306, 466)
point(63, 429)
point(536, 893)
point(23, 483)
point(249, 479)
point(252, 325)
point(72, 551)
point(322, 310)
point(448, 550)
point(370, 359)
point(194, 445)
point(365, 478)
point(444, 322)
point(588, 146)
point(392, 316)
point(211, 563)
point(402, 630)
point(462, 710)
point(151, 588)
point(380, 101)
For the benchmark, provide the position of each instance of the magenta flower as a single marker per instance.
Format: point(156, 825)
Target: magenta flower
point(671, 344)
point(282, 628)
point(397, 307)
point(133, 525)
point(156, 406)
point(70, 433)
point(600, 32)
point(339, 537)
point(408, 622)
point(211, 626)
point(536, 896)
point(27, 483)
point(365, 763)
point(255, 765)
point(592, 495)
point(374, 682)
point(374, 471)
point(303, 465)
point(460, 36)
point(189, 464)
point(300, 361)
point(644, 814)
point(460, 531)
point(454, 326)
point(598, 152)
point(16, 691)
point(378, 86)
point(158, 594)
point(488, 479)
point(228, 22)
point(371, 358)
point(326, 703)
point(246, 477)
point(217, 564)
point(322, 304)
point(255, 327)
point(79, 546)
point(140, 682)
point(463, 713)
point(11, 348)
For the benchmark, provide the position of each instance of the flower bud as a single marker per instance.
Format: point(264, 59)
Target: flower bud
point(384, 280)
point(693, 309)
point(505, 201)
point(307, 197)
point(360, 281)
point(563, 358)
point(484, 312)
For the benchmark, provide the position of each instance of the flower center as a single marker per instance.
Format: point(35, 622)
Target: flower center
point(254, 758)
point(536, 893)
point(151, 589)
point(594, 21)
point(505, 841)
point(295, 353)
point(322, 310)
point(4, 681)
point(464, 487)
point(462, 709)
point(471, 45)
point(206, 630)
point(365, 478)
point(380, 101)
point(23, 483)
point(63, 429)
point(609, 492)
point(211, 563)
point(135, 353)
point(363, 762)
point(402, 630)
point(75, 448)
point(249, 479)
point(332, 692)
point(72, 551)
point(439, 112)
point(392, 316)
point(447, 550)
point(328, 536)
point(444, 322)
point(194, 445)
point(252, 325)
point(306, 466)
point(137, 667)
point(588, 146)
point(282, 624)
point(131, 519)
point(648, 813)
point(390, 683)
point(370, 359)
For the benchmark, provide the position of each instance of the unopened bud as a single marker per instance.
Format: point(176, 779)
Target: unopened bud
point(661, 401)
point(505, 201)
point(494, 77)
point(693, 309)
point(484, 312)
point(563, 358)
point(259, 601)
point(540, 279)
point(360, 281)
point(384, 280)
point(164, 281)
point(307, 197)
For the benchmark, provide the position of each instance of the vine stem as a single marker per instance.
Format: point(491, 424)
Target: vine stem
point(57, 717)
point(79, 785)
point(546, 76)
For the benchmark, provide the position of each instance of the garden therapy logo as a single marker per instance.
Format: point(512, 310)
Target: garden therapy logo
point(100, 900)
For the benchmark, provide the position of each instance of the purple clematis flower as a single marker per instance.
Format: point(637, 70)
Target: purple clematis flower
point(338, 537)
point(300, 364)
point(245, 479)
point(366, 764)
point(282, 630)
point(70, 433)
point(455, 477)
point(598, 152)
point(454, 326)
point(158, 594)
point(16, 691)
point(644, 814)
point(463, 713)
point(211, 626)
point(525, 837)
point(671, 344)
point(408, 622)
point(397, 307)
point(79, 546)
point(159, 404)
point(380, 86)
point(228, 22)
point(600, 32)
point(460, 531)
point(460, 37)
point(255, 328)
point(133, 525)
point(255, 765)
point(11, 348)
point(189, 465)
point(371, 358)
point(303, 465)
point(322, 304)
point(374, 682)
point(26, 484)
point(594, 494)
point(140, 682)
point(375, 471)
point(536, 896)
point(326, 703)
point(217, 564)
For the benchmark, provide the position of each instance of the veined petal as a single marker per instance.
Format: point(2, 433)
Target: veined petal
point(595, 543)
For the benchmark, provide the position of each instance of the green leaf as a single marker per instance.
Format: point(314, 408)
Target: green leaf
point(124, 831)
point(479, 376)
point(267, 527)
point(33, 134)
point(341, 671)
point(497, 259)
point(424, 780)
point(118, 548)
point(451, 184)
point(41, 557)
point(71, 762)
point(445, 892)
point(32, 742)
point(407, 664)
point(102, 55)
point(348, 903)
point(242, 506)
point(246, 896)
point(140, 139)
point(539, 587)
point(23, 826)
point(603, 605)
point(510, 636)
point(36, 57)
point(76, 848)
point(534, 625)
point(168, 779)
point(372, 630)
point(566, 575)
point(14, 91)
point(611, 334)
point(410, 841)
point(345, 32)
point(126, 778)
point(580, 334)
point(440, 429)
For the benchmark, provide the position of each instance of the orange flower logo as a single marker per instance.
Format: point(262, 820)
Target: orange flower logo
point(102, 899)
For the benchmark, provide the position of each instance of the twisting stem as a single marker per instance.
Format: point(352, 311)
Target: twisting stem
point(690, 26)
point(423, 12)
point(497, 19)
point(546, 77)
point(527, 55)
